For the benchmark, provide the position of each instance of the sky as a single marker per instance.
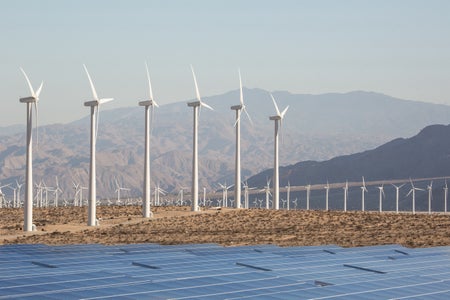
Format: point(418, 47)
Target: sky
point(397, 47)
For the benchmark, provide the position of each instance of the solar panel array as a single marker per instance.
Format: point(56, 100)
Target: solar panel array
point(210, 271)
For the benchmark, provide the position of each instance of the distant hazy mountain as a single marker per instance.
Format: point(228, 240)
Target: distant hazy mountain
point(316, 127)
point(424, 155)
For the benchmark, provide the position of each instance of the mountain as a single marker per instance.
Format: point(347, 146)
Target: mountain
point(424, 155)
point(316, 127)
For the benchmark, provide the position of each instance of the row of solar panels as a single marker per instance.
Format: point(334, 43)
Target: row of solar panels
point(209, 271)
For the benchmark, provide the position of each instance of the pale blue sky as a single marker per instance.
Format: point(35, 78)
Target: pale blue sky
point(400, 48)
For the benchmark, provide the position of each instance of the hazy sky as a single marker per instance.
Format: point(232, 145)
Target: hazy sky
point(400, 48)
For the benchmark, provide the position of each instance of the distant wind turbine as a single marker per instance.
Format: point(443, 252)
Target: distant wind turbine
point(345, 195)
point(146, 212)
point(30, 101)
point(278, 119)
point(397, 195)
point(195, 105)
point(95, 110)
point(327, 190)
point(381, 189)
point(237, 177)
point(413, 192)
point(430, 192)
point(308, 193)
point(445, 195)
point(363, 191)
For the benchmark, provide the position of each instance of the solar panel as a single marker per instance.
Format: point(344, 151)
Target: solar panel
point(207, 271)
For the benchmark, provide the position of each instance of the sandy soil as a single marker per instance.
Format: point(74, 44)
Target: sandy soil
point(178, 225)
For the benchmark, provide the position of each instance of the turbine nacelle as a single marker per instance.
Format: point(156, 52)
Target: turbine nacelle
point(147, 103)
point(28, 100)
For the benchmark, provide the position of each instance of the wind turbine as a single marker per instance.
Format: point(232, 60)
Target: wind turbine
point(237, 177)
point(445, 195)
point(397, 194)
point(30, 101)
point(308, 193)
point(288, 194)
point(146, 213)
point(413, 191)
point(268, 193)
point(19, 186)
point(195, 105)
point(278, 119)
point(57, 190)
point(381, 188)
point(95, 110)
point(430, 191)
point(118, 189)
point(345, 195)
point(363, 190)
point(2, 195)
point(327, 190)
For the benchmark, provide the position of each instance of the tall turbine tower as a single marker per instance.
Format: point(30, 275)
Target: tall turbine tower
point(345, 195)
point(445, 195)
point(413, 192)
point(195, 105)
point(276, 181)
point(95, 110)
point(327, 190)
point(363, 191)
point(146, 213)
point(397, 194)
point(237, 177)
point(28, 204)
point(381, 194)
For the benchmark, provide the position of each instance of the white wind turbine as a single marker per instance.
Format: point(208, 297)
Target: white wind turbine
point(278, 118)
point(119, 188)
point(327, 191)
point(308, 193)
point(19, 186)
point(195, 105)
point(445, 195)
point(381, 195)
point(397, 195)
point(225, 188)
point(95, 110)
point(288, 194)
point(237, 177)
point(430, 196)
point(146, 212)
point(363, 191)
point(345, 195)
point(268, 193)
point(2, 195)
point(30, 101)
point(413, 192)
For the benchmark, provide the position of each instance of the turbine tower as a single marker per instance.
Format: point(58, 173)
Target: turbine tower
point(397, 194)
point(430, 192)
point(308, 193)
point(28, 203)
point(327, 190)
point(237, 177)
point(146, 212)
point(381, 188)
point(95, 110)
point(195, 105)
point(445, 195)
point(345, 195)
point(363, 190)
point(278, 119)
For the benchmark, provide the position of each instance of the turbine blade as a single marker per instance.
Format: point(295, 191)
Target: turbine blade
point(38, 92)
point(284, 111)
point(241, 95)
point(248, 116)
point(29, 83)
point(205, 105)
point(105, 100)
point(238, 118)
point(410, 191)
point(275, 104)
point(149, 82)
point(196, 86)
point(94, 93)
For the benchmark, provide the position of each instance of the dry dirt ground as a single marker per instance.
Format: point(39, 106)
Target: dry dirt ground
point(228, 227)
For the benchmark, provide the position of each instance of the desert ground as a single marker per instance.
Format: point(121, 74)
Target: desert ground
point(228, 227)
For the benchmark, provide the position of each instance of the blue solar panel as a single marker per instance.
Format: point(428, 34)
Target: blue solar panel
point(209, 271)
